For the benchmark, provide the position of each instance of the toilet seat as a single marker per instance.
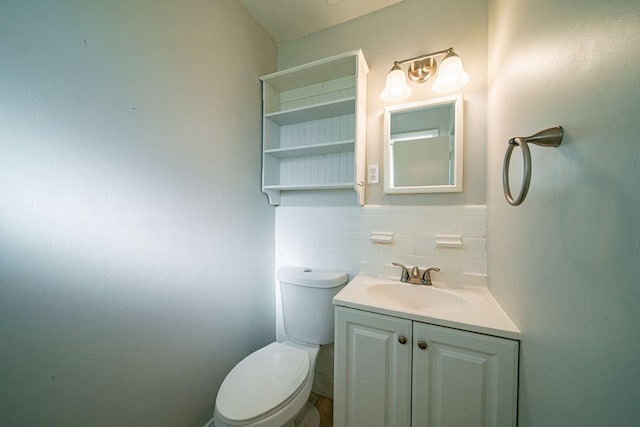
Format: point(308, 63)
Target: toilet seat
point(263, 383)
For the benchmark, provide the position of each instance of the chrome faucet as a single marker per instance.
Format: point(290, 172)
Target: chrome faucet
point(414, 276)
point(426, 276)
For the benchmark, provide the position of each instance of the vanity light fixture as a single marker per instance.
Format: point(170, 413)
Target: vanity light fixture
point(451, 74)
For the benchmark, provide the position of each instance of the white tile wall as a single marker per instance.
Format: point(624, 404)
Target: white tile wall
point(338, 237)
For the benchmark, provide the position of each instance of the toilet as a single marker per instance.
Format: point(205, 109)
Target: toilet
point(271, 386)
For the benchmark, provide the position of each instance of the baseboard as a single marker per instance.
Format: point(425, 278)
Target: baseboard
point(323, 385)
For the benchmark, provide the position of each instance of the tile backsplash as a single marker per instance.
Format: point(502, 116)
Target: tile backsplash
point(338, 238)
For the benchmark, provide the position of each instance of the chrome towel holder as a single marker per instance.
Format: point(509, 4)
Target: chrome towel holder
point(551, 137)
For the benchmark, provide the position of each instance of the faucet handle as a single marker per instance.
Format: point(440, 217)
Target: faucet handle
point(404, 276)
point(426, 276)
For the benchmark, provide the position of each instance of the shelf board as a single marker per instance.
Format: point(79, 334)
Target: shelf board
point(311, 150)
point(344, 64)
point(293, 187)
point(319, 111)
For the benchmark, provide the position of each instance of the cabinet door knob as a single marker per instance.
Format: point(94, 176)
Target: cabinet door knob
point(422, 345)
point(402, 340)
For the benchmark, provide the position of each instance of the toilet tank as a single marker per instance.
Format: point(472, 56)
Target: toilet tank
point(307, 308)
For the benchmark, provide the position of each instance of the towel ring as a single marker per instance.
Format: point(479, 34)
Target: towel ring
point(551, 137)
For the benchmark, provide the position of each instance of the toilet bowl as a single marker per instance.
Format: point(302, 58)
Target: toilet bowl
point(271, 386)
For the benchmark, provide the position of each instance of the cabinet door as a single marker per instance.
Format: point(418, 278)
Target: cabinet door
point(372, 370)
point(463, 379)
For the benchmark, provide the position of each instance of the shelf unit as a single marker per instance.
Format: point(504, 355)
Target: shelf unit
point(314, 127)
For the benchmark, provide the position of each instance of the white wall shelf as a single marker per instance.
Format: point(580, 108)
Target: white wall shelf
point(336, 186)
point(318, 111)
point(314, 127)
point(313, 149)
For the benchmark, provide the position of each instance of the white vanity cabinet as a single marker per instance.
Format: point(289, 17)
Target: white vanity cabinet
point(314, 126)
point(396, 372)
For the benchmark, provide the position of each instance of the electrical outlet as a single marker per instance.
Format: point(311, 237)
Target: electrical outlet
point(372, 174)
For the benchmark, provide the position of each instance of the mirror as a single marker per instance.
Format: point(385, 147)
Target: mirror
point(423, 147)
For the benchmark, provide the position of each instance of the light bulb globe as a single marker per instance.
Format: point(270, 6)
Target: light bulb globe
point(451, 75)
point(396, 87)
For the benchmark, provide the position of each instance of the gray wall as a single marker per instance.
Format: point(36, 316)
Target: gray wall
point(405, 30)
point(564, 264)
point(136, 249)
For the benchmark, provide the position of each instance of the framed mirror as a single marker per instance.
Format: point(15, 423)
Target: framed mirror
point(423, 146)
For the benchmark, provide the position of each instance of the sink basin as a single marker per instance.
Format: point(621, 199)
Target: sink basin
point(456, 300)
point(417, 297)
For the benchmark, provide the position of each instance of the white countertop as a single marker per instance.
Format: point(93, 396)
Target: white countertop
point(477, 311)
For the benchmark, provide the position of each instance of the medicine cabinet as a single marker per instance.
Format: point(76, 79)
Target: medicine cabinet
point(423, 146)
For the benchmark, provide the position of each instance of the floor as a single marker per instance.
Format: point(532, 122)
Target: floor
point(325, 407)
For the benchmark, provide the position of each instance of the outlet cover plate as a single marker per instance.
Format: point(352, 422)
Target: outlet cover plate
point(373, 175)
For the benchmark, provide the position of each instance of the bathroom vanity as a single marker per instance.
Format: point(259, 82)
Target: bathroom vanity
point(414, 355)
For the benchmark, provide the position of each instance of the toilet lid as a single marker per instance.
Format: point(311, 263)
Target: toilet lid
point(262, 382)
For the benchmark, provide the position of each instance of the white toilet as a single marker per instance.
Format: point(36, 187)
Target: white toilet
point(271, 386)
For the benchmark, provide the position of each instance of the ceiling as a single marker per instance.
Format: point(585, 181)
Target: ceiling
point(290, 19)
